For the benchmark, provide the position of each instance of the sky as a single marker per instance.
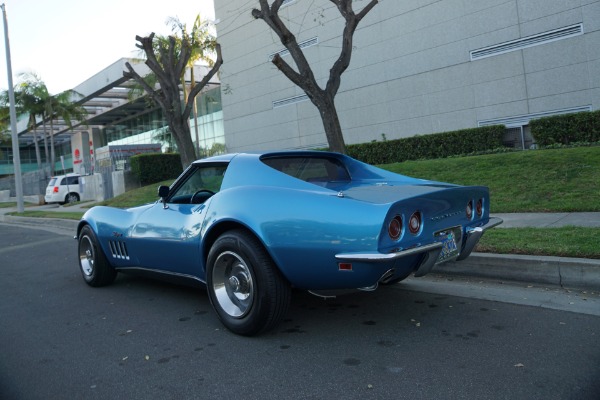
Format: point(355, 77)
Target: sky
point(65, 42)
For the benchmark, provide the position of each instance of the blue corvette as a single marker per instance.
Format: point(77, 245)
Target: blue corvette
point(252, 226)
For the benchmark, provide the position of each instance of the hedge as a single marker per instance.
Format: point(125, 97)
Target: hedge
point(438, 145)
point(567, 129)
point(156, 167)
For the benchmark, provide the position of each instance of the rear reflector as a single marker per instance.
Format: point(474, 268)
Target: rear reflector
point(345, 266)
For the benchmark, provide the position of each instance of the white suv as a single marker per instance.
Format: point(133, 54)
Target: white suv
point(63, 189)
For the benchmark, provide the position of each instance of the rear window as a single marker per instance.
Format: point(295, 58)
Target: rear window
point(52, 182)
point(310, 169)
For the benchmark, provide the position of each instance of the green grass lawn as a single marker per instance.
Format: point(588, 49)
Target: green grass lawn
point(136, 197)
point(567, 241)
point(76, 215)
point(561, 180)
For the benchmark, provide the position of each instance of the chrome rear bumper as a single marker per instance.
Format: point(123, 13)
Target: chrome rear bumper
point(431, 251)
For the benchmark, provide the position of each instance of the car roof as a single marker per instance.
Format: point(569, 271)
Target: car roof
point(275, 153)
point(62, 176)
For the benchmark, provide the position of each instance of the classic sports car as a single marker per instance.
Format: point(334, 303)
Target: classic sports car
point(252, 226)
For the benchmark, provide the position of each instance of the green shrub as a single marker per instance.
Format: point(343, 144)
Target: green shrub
point(566, 129)
point(156, 167)
point(438, 145)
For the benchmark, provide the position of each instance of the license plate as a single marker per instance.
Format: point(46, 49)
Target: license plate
point(449, 240)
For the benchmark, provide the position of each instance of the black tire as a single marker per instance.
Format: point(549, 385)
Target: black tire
point(244, 285)
point(71, 198)
point(94, 266)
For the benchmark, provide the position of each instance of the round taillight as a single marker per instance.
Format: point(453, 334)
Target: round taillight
point(469, 210)
point(395, 228)
point(414, 223)
point(479, 207)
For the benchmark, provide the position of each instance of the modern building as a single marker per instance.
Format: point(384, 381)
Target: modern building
point(418, 67)
point(116, 119)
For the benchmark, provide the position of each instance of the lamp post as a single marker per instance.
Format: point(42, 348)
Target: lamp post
point(13, 119)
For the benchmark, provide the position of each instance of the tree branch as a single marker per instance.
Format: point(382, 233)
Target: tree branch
point(343, 61)
point(132, 74)
point(199, 86)
point(304, 77)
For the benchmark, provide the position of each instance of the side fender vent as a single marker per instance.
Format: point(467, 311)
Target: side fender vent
point(118, 250)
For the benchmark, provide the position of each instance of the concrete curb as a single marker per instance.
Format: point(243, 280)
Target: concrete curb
point(580, 273)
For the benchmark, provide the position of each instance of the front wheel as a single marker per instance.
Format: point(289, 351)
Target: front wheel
point(245, 287)
point(94, 266)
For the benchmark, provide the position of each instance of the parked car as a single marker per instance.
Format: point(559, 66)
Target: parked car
point(63, 189)
point(249, 227)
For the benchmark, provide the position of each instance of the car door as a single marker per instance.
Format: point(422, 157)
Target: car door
point(167, 237)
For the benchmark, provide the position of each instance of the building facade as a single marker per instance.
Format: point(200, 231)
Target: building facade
point(418, 67)
point(115, 117)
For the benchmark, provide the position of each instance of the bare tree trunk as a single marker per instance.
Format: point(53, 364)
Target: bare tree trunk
point(331, 124)
point(46, 144)
point(169, 69)
point(52, 155)
point(303, 76)
point(195, 114)
point(37, 149)
point(181, 133)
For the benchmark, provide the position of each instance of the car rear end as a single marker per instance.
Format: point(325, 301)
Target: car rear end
point(53, 194)
point(433, 224)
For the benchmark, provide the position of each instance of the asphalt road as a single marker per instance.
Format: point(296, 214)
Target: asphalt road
point(426, 339)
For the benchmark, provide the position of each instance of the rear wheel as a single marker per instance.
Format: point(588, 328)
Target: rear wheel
point(245, 287)
point(71, 198)
point(94, 266)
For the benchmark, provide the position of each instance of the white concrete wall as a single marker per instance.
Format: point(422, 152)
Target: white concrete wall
point(124, 181)
point(411, 71)
point(93, 188)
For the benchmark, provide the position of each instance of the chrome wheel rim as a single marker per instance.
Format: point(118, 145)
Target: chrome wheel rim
point(86, 255)
point(232, 284)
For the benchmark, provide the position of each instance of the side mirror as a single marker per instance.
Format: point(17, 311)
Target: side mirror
point(163, 193)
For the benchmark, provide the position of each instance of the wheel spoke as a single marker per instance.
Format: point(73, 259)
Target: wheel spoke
point(86, 256)
point(233, 284)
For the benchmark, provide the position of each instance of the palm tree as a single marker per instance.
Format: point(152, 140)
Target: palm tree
point(32, 98)
point(62, 106)
point(30, 94)
point(202, 49)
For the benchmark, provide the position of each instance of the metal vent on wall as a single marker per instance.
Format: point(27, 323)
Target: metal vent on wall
point(521, 120)
point(529, 41)
point(307, 43)
point(290, 100)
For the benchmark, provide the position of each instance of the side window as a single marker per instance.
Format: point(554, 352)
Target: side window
point(72, 180)
point(204, 178)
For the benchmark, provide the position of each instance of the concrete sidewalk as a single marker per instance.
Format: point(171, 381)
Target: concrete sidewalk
point(576, 273)
point(550, 220)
